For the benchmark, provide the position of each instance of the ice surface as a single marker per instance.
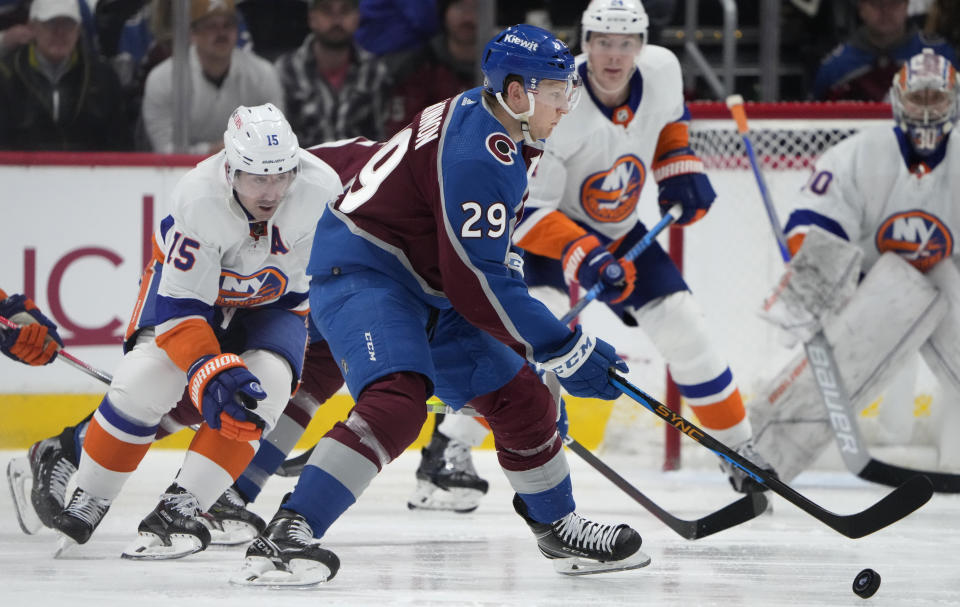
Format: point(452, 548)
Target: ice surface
point(393, 556)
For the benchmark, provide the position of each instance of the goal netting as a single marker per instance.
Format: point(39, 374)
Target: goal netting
point(730, 261)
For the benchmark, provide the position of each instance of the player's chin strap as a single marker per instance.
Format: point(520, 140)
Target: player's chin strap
point(523, 117)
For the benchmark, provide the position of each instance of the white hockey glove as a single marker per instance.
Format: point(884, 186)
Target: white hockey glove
point(818, 282)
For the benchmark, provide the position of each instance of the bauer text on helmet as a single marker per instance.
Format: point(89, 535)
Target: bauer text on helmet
point(262, 157)
point(924, 99)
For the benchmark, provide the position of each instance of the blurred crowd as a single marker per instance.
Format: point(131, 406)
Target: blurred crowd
point(97, 75)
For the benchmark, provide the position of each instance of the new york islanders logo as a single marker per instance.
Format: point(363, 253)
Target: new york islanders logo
point(237, 290)
point(919, 237)
point(612, 195)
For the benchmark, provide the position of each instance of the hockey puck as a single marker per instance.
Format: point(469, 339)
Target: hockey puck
point(866, 583)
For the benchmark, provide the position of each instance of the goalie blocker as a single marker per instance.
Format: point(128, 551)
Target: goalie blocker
point(892, 313)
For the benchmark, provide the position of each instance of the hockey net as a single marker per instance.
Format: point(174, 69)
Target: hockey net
point(730, 260)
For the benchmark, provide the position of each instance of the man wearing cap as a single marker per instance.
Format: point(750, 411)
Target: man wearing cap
point(334, 89)
point(55, 95)
point(221, 76)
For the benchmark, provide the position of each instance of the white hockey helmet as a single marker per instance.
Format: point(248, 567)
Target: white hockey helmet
point(924, 98)
point(259, 140)
point(615, 17)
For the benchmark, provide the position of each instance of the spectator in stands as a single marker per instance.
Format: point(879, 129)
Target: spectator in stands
point(54, 93)
point(944, 20)
point(334, 88)
point(14, 31)
point(221, 75)
point(862, 68)
point(392, 26)
point(276, 26)
point(442, 68)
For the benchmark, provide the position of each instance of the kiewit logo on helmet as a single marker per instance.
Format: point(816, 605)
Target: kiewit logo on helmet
point(527, 44)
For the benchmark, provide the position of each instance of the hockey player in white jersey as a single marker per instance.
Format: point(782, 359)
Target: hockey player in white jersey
point(581, 215)
point(222, 311)
point(891, 196)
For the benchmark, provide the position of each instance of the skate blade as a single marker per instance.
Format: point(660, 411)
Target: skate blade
point(20, 480)
point(428, 496)
point(65, 547)
point(260, 571)
point(233, 533)
point(579, 566)
point(149, 547)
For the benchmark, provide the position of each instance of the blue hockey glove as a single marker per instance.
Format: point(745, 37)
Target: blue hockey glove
point(680, 178)
point(588, 262)
point(582, 365)
point(225, 392)
point(36, 341)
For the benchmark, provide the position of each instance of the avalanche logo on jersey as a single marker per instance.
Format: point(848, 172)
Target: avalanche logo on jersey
point(612, 195)
point(501, 147)
point(238, 290)
point(919, 237)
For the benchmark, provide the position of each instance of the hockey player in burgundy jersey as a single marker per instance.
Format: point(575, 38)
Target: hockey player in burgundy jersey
point(416, 288)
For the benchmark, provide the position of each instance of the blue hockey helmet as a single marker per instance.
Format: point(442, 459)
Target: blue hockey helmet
point(527, 51)
point(533, 54)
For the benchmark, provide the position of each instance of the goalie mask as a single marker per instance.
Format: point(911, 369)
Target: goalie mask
point(925, 101)
point(262, 152)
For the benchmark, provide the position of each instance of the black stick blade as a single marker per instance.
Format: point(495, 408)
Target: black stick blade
point(888, 474)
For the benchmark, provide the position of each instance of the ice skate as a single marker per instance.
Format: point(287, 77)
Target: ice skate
point(580, 547)
point(79, 519)
point(173, 530)
point(446, 478)
point(20, 481)
point(38, 482)
point(740, 479)
point(229, 521)
point(286, 554)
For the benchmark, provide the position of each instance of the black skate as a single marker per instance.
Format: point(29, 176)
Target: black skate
point(579, 546)
point(229, 521)
point(46, 470)
point(79, 519)
point(173, 530)
point(286, 554)
point(740, 479)
point(446, 478)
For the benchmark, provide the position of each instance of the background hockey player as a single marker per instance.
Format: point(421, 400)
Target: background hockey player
point(222, 311)
point(36, 341)
point(886, 200)
point(582, 215)
point(416, 289)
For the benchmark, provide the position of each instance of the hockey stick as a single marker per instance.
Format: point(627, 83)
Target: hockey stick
point(746, 508)
point(69, 358)
point(742, 510)
point(672, 215)
point(900, 502)
point(856, 456)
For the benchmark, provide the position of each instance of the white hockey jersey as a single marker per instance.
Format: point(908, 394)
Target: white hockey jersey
point(593, 169)
point(863, 190)
point(210, 256)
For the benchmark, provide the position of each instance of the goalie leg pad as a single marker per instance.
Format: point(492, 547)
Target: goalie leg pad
point(942, 351)
point(870, 341)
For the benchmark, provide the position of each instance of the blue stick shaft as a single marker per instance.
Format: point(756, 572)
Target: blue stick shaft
point(630, 255)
